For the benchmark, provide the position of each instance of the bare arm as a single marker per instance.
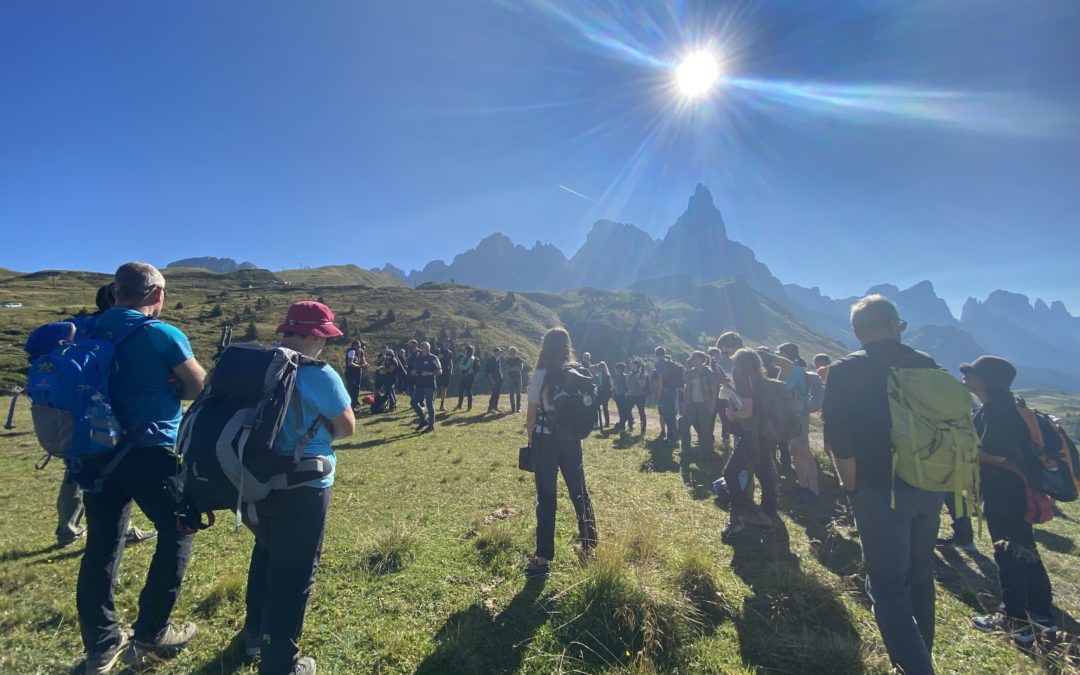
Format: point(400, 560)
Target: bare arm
point(191, 377)
point(530, 421)
point(343, 425)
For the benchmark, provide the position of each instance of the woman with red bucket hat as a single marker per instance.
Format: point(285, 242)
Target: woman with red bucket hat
point(289, 534)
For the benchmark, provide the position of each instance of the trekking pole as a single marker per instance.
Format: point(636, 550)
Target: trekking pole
point(224, 341)
point(10, 424)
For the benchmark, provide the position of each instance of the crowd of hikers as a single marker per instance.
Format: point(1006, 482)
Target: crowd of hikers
point(903, 436)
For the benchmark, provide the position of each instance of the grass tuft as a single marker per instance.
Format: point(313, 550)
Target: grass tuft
point(225, 590)
point(389, 551)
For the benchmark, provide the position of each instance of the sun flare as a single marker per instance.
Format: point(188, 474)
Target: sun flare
point(697, 74)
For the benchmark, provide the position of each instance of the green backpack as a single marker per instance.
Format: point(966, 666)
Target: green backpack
point(935, 446)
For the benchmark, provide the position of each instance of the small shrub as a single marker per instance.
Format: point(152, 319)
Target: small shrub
point(216, 311)
point(178, 305)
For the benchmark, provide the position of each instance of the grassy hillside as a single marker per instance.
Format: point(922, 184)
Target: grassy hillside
point(422, 571)
point(339, 275)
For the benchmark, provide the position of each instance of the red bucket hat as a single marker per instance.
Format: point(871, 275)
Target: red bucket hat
point(310, 318)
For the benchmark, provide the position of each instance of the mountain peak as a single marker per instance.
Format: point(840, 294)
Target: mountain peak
point(701, 200)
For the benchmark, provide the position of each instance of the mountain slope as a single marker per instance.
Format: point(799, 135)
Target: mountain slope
point(612, 256)
point(219, 265)
point(339, 275)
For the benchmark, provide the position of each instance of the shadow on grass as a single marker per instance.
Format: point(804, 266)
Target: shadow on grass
point(791, 623)
point(1053, 541)
point(472, 641)
point(976, 588)
point(231, 659)
point(374, 442)
point(661, 457)
point(477, 418)
point(21, 553)
point(699, 468)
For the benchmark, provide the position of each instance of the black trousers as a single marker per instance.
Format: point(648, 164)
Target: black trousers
point(353, 378)
point(621, 408)
point(550, 457)
point(639, 403)
point(465, 388)
point(513, 389)
point(603, 415)
point(496, 390)
point(699, 418)
point(147, 477)
point(288, 545)
point(750, 457)
point(1025, 585)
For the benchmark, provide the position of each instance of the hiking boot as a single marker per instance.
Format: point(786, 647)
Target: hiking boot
point(175, 638)
point(136, 536)
point(537, 569)
point(305, 666)
point(1018, 631)
point(71, 539)
point(99, 663)
point(734, 528)
point(1044, 623)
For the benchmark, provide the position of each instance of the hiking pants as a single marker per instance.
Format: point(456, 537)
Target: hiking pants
point(390, 394)
point(496, 390)
point(898, 556)
point(1024, 584)
point(353, 378)
point(639, 403)
point(424, 396)
point(699, 418)
point(69, 511)
point(750, 458)
point(513, 388)
point(603, 415)
point(465, 388)
point(288, 545)
point(550, 457)
point(147, 477)
point(668, 412)
point(621, 409)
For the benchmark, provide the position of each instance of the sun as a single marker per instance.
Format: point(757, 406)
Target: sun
point(697, 74)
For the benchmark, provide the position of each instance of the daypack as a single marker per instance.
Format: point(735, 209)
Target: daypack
point(672, 377)
point(226, 438)
point(72, 408)
point(934, 444)
point(576, 403)
point(1048, 461)
point(774, 407)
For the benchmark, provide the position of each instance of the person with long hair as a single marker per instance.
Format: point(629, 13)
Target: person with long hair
point(750, 456)
point(467, 368)
point(552, 455)
point(637, 383)
point(602, 375)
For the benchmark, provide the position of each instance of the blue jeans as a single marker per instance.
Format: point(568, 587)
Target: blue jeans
point(426, 396)
point(898, 555)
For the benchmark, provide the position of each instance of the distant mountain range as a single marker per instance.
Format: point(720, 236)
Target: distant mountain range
point(218, 265)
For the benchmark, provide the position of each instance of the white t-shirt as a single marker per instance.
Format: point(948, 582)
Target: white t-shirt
point(546, 407)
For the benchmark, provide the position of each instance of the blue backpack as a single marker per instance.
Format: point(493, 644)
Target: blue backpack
point(69, 392)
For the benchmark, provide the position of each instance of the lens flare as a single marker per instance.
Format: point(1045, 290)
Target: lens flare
point(697, 74)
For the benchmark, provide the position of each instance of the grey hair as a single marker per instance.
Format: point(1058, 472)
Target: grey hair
point(134, 280)
point(873, 312)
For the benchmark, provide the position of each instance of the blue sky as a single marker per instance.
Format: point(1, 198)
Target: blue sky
point(848, 144)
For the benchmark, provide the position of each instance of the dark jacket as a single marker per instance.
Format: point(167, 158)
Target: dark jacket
point(855, 408)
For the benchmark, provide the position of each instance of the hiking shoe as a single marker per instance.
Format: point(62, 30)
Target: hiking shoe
point(136, 536)
point(733, 529)
point(305, 666)
point(99, 663)
point(175, 638)
point(537, 569)
point(1018, 631)
point(69, 540)
point(1044, 623)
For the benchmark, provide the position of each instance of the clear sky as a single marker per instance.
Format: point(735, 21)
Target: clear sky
point(847, 143)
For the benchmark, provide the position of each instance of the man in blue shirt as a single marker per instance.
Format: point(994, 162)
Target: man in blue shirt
point(155, 370)
point(289, 532)
point(425, 370)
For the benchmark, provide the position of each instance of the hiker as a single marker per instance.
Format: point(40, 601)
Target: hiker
point(667, 382)
point(289, 532)
point(467, 368)
point(776, 367)
point(721, 401)
point(354, 371)
point(69, 499)
point(425, 370)
point(701, 396)
point(636, 388)
point(412, 356)
point(618, 391)
point(586, 361)
point(515, 365)
point(821, 366)
point(493, 370)
point(602, 375)
point(386, 377)
point(442, 382)
point(1003, 440)
point(897, 536)
point(799, 384)
point(154, 370)
point(552, 455)
point(752, 455)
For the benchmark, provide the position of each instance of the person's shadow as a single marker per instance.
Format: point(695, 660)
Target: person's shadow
point(661, 458)
point(472, 641)
point(791, 623)
point(699, 470)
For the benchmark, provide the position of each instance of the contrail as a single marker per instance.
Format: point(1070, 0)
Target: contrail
point(575, 192)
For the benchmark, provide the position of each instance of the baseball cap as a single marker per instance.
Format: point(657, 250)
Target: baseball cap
point(310, 318)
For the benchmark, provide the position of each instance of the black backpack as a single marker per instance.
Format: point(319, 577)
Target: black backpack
point(226, 438)
point(673, 376)
point(576, 403)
